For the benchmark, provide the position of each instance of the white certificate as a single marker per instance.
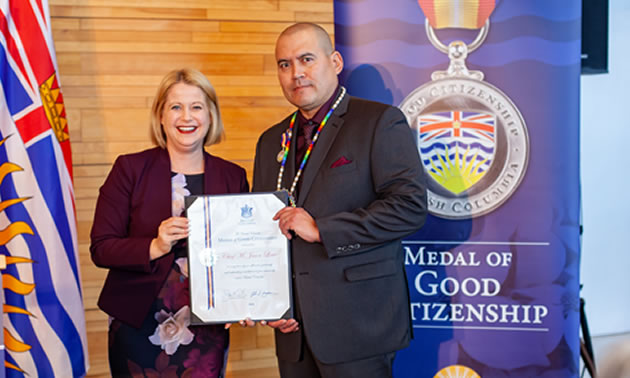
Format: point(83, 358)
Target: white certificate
point(238, 260)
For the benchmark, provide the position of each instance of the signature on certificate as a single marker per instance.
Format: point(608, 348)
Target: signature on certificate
point(238, 294)
point(235, 294)
point(261, 294)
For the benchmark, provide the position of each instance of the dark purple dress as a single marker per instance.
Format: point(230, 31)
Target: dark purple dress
point(166, 345)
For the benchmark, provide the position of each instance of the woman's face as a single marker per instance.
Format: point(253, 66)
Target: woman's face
point(185, 118)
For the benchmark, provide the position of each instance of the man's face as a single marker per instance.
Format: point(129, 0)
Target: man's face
point(307, 74)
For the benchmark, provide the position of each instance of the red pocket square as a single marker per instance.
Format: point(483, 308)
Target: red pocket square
point(341, 161)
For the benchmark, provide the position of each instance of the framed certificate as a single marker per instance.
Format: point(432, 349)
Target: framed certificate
point(238, 260)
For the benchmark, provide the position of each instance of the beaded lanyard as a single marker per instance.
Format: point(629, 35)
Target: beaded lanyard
point(287, 145)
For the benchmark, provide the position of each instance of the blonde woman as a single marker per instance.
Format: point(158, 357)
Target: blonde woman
point(140, 236)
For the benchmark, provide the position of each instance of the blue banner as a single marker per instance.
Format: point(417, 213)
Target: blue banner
point(493, 275)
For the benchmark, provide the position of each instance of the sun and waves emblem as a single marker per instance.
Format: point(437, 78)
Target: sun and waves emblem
point(10, 282)
point(456, 371)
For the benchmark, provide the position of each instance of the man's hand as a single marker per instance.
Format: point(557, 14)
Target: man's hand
point(285, 325)
point(299, 221)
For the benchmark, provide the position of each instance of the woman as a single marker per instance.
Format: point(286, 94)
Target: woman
point(139, 235)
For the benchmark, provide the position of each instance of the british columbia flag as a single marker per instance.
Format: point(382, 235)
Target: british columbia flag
point(457, 143)
point(44, 322)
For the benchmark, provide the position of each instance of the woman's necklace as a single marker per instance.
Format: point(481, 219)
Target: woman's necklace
point(286, 144)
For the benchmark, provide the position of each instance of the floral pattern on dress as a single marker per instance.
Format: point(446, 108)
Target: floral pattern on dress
point(178, 192)
point(167, 345)
point(182, 263)
point(176, 291)
point(172, 330)
point(202, 365)
point(162, 369)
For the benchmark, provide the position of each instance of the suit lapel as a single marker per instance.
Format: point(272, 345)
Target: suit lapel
point(321, 148)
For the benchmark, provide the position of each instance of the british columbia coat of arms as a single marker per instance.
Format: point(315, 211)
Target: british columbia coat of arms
point(471, 137)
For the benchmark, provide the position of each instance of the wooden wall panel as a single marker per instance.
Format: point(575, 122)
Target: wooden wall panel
point(111, 56)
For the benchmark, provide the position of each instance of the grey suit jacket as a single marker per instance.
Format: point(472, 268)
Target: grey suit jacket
point(351, 288)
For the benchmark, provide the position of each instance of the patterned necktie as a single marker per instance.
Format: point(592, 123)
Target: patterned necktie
point(306, 139)
point(308, 133)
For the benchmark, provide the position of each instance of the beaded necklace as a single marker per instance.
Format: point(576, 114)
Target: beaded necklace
point(287, 145)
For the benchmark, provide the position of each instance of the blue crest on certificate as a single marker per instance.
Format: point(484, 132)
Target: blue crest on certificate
point(246, 211)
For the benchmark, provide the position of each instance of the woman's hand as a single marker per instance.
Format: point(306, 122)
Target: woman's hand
point(247, 322)
point(170, 231)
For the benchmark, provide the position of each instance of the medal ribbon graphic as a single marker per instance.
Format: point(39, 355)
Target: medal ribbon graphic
point(465, 14)
point(458, 146)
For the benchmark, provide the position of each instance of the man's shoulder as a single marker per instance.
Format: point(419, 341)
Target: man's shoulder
point(362, 104)
point(369, 109)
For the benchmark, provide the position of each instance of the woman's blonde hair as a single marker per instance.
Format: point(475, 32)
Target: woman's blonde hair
point(188, 76)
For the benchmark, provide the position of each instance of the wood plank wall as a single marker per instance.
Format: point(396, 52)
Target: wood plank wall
point(112, 55)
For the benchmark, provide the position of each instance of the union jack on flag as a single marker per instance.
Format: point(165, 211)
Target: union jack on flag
point(457, 124)
point(44, 322)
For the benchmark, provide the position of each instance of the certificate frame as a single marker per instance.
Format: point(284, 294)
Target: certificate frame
point(239, 263)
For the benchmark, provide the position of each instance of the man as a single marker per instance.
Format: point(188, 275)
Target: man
point(360, 190)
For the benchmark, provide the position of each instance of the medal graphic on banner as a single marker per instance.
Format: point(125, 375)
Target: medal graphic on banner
point(472, 139)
